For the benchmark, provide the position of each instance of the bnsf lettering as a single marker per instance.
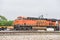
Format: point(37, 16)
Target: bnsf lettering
point(41, 22)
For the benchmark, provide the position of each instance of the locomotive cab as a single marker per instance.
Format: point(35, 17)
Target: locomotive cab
point(20, 24)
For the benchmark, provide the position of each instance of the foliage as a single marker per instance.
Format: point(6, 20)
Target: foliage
point(2, 18)
point(9, 23)
point(2, 23)
point(6, 23)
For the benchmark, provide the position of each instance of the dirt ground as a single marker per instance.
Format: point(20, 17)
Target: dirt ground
point(30, 37)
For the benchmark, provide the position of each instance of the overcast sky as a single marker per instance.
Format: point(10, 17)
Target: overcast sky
point(14, 8)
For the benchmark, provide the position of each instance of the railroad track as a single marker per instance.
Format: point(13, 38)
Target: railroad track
point(28, 31)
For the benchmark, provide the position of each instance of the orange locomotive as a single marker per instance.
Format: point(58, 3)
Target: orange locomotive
point(29, 23)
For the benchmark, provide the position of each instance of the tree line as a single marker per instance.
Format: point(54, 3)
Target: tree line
point(5, 22)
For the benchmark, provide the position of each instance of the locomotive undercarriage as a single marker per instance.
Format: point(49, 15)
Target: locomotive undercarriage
point(19, 27)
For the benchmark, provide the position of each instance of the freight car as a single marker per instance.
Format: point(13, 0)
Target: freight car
point(6, 28)
point(33, 23)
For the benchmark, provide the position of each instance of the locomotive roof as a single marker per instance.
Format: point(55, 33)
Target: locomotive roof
point(33, 18)
point(58, 19)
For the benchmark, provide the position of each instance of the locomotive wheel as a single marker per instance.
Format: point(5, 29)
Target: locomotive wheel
point(26, 27)
point(56, 28)
point(18, 27)
point(29, 28)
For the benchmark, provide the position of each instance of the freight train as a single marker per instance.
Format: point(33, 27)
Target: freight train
point(33, 23)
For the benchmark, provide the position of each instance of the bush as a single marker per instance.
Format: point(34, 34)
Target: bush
point(6, 23)
point(9, 23)
point(2, 23)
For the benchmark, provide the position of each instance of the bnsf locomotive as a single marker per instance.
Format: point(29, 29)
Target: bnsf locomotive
point(32, 23)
